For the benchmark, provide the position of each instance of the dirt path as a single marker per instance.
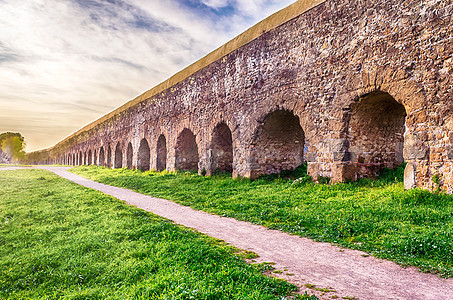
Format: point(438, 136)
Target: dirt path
point(350, 273)
point(12, 168)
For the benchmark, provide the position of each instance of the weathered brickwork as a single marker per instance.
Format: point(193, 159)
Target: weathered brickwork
point(349, 86)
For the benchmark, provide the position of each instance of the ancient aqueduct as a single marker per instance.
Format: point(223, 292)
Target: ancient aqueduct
point(349, 87)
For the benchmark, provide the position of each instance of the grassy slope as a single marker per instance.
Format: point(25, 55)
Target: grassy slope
point(378, 216)
point(58, 239)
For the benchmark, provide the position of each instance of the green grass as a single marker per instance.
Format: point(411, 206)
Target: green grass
point(377, 216)
point(59, 240)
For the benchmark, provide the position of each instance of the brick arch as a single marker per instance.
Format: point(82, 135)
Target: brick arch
point(221, 153)
point(277, 143)
point(395, 82)
point(101, 156)
point(129, 155)
point(198, 131)
point(109, 156)
point(118, 156)
point(161, 152)
point(144, 155)
point(186, 151)
point(228, 119)
point(386, 103)
point(89, 159)
point(375, 133)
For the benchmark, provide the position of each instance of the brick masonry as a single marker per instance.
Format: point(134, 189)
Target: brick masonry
point(348, 86)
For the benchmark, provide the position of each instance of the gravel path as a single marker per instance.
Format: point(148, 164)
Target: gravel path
point(11, 168)
point(303, 262)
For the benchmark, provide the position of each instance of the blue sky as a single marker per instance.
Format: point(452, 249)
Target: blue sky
point(64, 64)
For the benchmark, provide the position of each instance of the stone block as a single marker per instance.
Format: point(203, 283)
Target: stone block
point(338, 145)
point(414, 148)
point(343, 172)
point(313, 170)
point(342, 156)
point(409, 176)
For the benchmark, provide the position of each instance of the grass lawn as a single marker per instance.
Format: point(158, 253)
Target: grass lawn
point(377, 216)
point(60, 240)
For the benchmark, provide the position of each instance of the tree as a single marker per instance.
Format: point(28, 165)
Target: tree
point(13, 145)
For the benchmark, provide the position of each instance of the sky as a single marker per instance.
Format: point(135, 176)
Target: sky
point(66, 63)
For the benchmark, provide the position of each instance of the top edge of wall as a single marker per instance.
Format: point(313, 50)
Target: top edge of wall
point(275, 20)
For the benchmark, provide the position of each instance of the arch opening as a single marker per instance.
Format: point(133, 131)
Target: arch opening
point(161, 161)
point(95, 158)
point(143, 155)
point(376, 133)
point(221, 150)
point(80, 159)
point(186, 151)
point(118, 163)
point(109, 157)
point(278, 144)
point(101, 156)
point(129, 155)
point(89, 157)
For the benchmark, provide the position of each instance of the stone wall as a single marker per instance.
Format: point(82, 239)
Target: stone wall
point(350, 86)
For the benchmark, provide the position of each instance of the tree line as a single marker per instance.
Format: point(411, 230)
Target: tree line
point(12, 147)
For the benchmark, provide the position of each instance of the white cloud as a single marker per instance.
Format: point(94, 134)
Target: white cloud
point(63, 64)
point(216, 3)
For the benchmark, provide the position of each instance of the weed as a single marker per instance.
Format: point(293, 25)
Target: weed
point(305, 296)
point(323, 180)
point(325, 290)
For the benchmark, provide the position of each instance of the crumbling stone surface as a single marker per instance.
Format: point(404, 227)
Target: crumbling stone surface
point(369, 84)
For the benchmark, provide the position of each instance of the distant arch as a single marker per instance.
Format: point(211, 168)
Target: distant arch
point(90, 156)
point(129, 155)
point(186, 151)
point(221, 152)
point(101, 156)
point(74, 159)
point(80, 159)
point(109, 156)
point(118, 162)
point(161, 161)
point(278, 144)
point(95, 158)
point(143, 155)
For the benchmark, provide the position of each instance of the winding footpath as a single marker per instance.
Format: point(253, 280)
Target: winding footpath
point(336, 272)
